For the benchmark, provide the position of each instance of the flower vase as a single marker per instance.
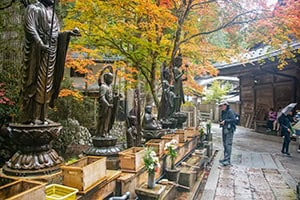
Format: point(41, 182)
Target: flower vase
point(151, 180)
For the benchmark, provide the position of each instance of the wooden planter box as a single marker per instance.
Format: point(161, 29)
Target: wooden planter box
point(182, 135)
point(169, 137)
point(191, 132)
point(85, 173)
point(132, 159)
point(157, 145)
point(23, 190)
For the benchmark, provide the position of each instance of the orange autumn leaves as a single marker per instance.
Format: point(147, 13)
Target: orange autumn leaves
point(143, 31)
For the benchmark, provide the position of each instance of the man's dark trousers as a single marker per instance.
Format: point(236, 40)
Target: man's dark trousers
point(227, 136)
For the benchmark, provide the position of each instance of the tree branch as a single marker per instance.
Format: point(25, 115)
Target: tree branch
point(232, 22)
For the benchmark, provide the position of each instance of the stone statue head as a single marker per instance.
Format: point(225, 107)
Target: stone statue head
point(165, 84)
point(148, 109)
point(172, 88)
point(108, 78)
point(47, 2)
point(132, 120)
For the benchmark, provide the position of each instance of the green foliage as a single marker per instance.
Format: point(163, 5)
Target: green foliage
point(217, 91)
point(11, 57)
point(70, 107)
point(72, 133)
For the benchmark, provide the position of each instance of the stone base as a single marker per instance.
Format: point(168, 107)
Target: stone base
point(170, 193)
point(209, 147)
point(153, 134)
point(27, 173)
point(187, 178)
point(180, 117)
point(103, 151)
point(112, 163)
point(104, 146)
point(145, 193)
point(35, 156)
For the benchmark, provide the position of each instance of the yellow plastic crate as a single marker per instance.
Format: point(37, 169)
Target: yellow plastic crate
point(60, 192)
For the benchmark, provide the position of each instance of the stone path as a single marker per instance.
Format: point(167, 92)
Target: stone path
point(254, 174)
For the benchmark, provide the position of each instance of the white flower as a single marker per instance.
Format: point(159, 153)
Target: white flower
point(152, 154)
point(167, 145)
point(174, 142)
point(151, 166)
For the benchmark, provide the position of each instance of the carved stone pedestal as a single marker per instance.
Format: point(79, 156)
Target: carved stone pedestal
point(180, 117)
point(106, 146)
point(35, 155)
point(153, 134)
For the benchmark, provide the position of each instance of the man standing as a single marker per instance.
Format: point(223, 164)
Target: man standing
point(228, 125)
point(286, 129)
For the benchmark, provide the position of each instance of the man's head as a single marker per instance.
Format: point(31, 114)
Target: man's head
point(223, 105)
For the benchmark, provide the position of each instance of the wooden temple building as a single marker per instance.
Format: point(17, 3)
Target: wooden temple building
point(263, 85)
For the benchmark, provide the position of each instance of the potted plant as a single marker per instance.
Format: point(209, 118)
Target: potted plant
point(172, 173)
point(151, 162)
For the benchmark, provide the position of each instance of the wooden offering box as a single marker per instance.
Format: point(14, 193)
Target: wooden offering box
point(157, 145)
point(191, 132)
point(169, 137)
point(23, 190)
point(131, 160)
point(85, 173)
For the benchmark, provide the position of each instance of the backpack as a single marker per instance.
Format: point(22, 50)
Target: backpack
point(237, 118)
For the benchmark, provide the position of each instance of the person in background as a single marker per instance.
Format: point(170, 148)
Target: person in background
point(227, 122)
point(272, 115)
point(286, 130)
point(276, 125)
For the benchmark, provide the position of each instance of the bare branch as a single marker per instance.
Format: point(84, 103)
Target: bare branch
point(232, 22)
point(197, 5)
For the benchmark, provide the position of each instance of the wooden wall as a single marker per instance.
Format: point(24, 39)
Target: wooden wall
point(264, 89)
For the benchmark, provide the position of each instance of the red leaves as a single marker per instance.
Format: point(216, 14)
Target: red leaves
point(3, 99)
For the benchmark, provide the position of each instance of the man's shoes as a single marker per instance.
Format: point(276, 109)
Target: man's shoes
point(225, 163)
point(298, 150)
point(287, 154)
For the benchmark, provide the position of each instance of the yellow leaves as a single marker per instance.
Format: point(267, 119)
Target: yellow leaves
point(67, 92)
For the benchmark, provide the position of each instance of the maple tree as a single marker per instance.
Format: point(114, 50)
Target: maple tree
point(145, 33)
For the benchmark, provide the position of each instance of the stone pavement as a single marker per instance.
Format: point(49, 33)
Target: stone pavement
point(258, 170)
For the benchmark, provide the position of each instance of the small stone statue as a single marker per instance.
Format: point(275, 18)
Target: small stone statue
point(45, 53)
point(107, 102)
point(178, 82)
point(131, 132)
point(164, 105)
point(149, 122)
point(172, 99)
point(165, 74)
